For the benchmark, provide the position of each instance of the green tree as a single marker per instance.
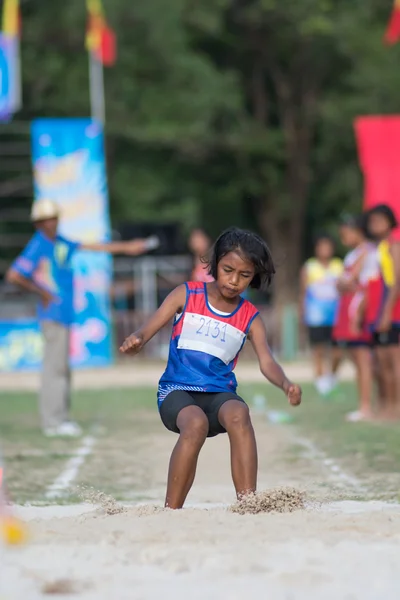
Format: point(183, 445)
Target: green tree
point(225, 111)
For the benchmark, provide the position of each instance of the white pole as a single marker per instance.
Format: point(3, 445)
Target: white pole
point(97, 102)
point(18, 82)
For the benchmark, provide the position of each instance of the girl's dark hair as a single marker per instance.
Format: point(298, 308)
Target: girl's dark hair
point(385, 211)
point(322, 237)
point(355, 222)
point(251, 246)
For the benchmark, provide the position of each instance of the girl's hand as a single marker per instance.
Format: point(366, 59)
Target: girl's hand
point(293, 392)
point(133, 344)
point(357, 313)
point(47, 298)
point(385, 323)
point(356, 325)
point(136, 247)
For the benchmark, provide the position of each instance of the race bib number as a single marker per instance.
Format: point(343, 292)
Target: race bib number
point(211, 336)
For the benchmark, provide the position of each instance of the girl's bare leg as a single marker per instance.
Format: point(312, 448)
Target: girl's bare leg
point(363, 361)
point(235, 418)
point(336, 359)
point(395, 367)
point(193, 426)
point(318, 354)
point(388, 381)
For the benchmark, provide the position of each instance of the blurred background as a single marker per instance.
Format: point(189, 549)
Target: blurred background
point(214, 113)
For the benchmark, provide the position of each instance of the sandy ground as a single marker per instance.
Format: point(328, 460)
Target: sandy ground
point(338, 550)
point(142, 373)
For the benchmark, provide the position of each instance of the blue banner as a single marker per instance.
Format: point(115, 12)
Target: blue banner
point(9, 76)
point(69, 168)
point(21, 345)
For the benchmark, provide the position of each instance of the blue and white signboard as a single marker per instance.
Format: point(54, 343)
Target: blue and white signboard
point(69, 167)
point(9, 76)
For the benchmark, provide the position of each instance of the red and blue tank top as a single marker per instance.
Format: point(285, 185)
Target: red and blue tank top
point(350, 301)
point(380, 284)
point(205, 345)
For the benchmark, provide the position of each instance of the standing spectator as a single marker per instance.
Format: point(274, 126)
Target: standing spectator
point(318, 303)
point(44, 268)
point(199, 245)
point(348, 332)
point(382, 305)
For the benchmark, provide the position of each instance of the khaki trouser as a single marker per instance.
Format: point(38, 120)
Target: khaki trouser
point(55, 396)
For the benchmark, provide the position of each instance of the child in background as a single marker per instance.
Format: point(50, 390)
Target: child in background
point(199, 245)
point(318, 304)
point(382, 305)
point(347, 332)
point(197, 393)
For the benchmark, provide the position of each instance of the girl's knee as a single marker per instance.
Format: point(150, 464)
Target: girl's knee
point(394, 353)
point(236, 416)
point(195, 428)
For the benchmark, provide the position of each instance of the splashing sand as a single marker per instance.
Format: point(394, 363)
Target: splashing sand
point(147, 510)
point(280, 500)
point(107, 503)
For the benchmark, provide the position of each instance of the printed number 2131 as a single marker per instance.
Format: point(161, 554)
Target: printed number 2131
point(212, 328)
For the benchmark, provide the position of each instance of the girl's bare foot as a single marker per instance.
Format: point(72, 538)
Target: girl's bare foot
point(358, 416)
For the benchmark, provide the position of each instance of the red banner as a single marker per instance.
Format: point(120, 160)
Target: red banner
point(392, 33)
point(378, 142)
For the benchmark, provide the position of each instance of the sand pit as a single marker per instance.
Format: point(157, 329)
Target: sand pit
point(276, 545)
point(59, 587)
point(333, 553)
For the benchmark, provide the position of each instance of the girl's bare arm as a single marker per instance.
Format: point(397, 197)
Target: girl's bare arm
point(174, 303)
point(268, 365)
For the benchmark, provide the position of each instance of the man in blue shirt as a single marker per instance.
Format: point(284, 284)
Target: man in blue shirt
point(44, 267)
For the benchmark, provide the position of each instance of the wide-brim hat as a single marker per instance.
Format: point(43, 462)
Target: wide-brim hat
point(44, 209)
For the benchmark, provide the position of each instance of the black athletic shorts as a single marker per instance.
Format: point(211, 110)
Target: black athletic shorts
point(350, 344)
point(320, 336)
point(387, 338)
point(209, 402)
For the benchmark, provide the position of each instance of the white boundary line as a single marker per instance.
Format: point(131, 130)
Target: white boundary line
point(68, 475)
point(315, 453)
point(335, 470)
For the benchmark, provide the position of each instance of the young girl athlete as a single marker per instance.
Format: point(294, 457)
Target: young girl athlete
point(348, 332)
point(197, 392)
point(382, 304)
point(318, 305)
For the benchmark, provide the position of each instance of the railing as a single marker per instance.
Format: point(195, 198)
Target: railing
point(139, 287)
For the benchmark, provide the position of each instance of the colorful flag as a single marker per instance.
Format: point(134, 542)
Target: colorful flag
point(100, 38)
point(95, 24)
point(392, 34)
point(11, 18)
point(108, 48)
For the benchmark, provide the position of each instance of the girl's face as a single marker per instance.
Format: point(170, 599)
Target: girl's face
point(235, 274)
point(379, 226)
point(199, 242)
point(324, 250)
point(350, 237)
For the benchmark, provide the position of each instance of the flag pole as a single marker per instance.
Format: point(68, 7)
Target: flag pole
point(97, 99)
point(18, 75)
